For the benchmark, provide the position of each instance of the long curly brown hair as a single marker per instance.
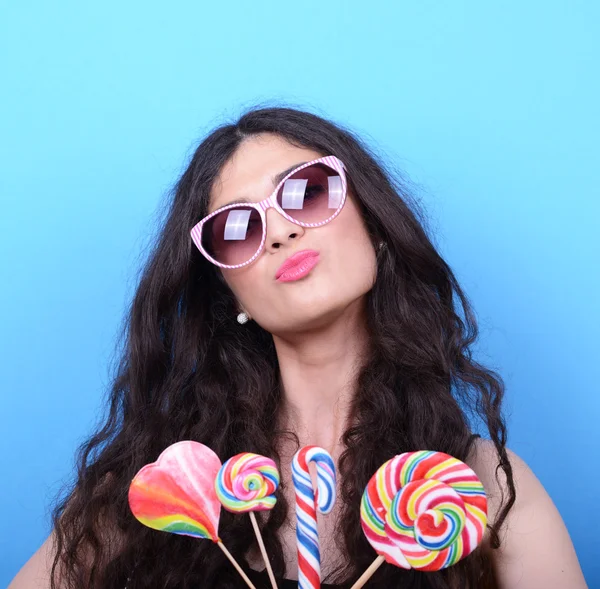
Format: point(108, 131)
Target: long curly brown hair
point(187, 371)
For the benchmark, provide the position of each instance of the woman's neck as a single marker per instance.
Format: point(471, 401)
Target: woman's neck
point(318, 371)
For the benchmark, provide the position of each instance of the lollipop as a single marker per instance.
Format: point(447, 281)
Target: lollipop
point(424, 510)
point(307, 503)
point(246, 483)
point(176, 494)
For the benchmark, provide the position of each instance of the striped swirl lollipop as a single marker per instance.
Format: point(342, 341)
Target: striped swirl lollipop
point(424, 510)
point(247, 483)
point(307, 503)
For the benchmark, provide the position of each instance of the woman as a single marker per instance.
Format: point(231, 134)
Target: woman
point(337, 325)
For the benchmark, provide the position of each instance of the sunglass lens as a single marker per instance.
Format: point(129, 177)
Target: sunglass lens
point(312, 195)
point(233, 236)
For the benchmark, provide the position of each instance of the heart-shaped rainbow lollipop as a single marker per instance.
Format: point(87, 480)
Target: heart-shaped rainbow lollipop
point(176, 494)
point(424, 510)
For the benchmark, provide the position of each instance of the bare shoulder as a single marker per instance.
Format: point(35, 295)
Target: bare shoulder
point(536, 549)
point(35, 573)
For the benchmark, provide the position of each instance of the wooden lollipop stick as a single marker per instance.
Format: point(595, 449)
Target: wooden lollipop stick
point(263, 551)
point(236, 565)
point(369, 572)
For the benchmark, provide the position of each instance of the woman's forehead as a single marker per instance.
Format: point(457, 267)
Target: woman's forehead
point(254, 169)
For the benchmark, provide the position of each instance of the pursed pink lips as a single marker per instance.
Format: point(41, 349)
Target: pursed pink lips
point(297, 266)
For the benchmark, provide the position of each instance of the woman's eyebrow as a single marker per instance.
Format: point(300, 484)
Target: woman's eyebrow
point(276, 180)
point(279, 177)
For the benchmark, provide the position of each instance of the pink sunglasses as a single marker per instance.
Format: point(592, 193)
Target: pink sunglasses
point(311, 195)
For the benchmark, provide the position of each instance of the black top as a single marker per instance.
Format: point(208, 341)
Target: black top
point(261, 581)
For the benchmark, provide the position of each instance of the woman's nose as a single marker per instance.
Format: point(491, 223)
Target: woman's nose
point(280, 231)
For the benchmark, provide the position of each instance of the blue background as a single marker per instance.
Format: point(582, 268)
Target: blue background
point(491, 110)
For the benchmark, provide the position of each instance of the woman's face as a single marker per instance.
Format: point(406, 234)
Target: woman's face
point(346, 266)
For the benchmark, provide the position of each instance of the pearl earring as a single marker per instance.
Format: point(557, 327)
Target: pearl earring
point(242, 318)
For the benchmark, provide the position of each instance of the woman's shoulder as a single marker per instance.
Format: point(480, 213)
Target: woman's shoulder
point(484, 459)
point(535, 548)
point(486, 462)
point(35, 573)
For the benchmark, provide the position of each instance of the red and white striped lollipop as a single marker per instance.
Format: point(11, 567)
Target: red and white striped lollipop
point(307, 504)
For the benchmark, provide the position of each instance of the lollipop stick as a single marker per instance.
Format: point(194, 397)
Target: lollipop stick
point(369, 572)
point(261, 544)
point(236, 565)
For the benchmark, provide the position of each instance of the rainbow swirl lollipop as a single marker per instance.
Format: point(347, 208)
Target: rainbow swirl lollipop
point(424, 510)
point(247, 482)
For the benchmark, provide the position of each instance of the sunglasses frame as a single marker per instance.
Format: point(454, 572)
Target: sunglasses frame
point(271, 202)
